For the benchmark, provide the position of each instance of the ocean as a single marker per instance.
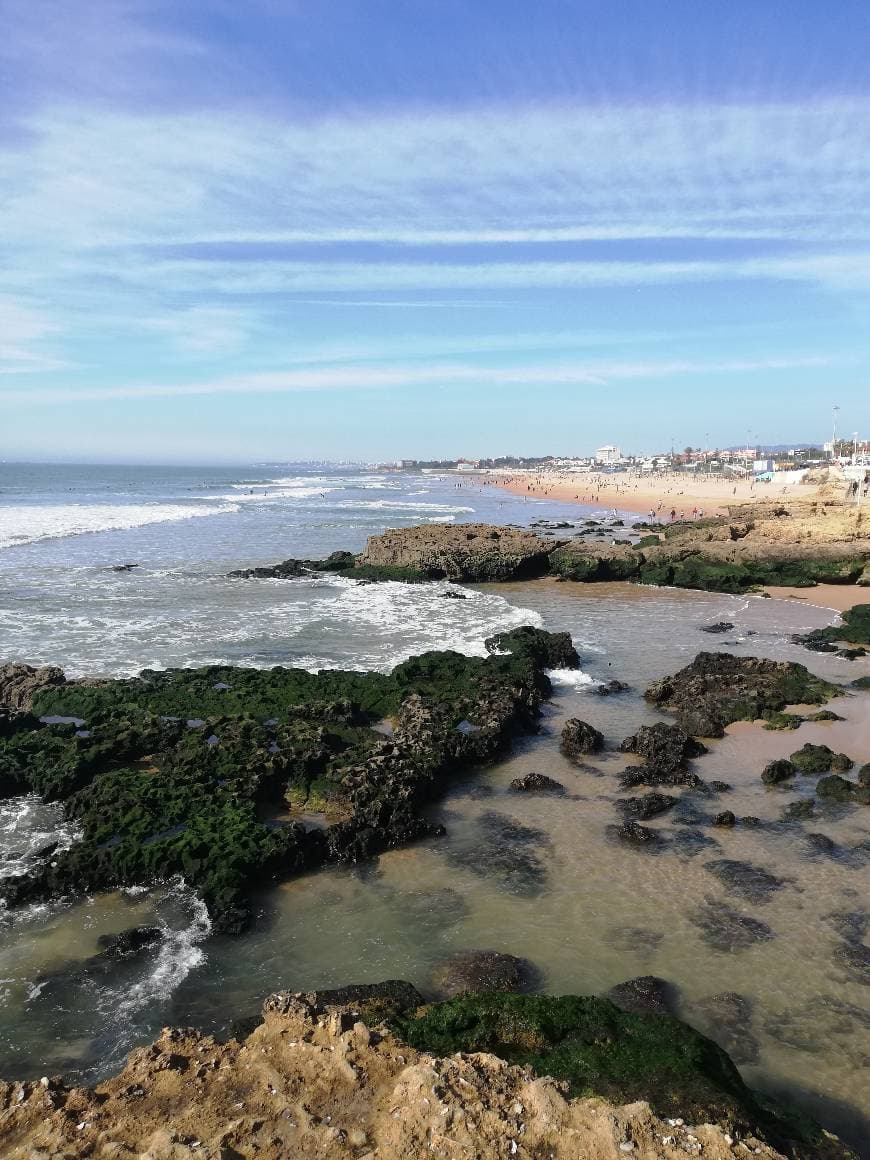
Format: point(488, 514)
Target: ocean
point(595, 914)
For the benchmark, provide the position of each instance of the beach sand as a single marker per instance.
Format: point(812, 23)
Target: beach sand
point(840, 597)
point(686, 494)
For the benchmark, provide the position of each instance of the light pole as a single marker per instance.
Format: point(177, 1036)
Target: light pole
point(834, 435)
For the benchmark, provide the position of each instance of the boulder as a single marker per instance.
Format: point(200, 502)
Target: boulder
point(811, 759)
point(608, 688)
point(482, 972)
point(579, 739)
point(645, 995)
point(778, 771)
point(635, 834)
point(666, 750)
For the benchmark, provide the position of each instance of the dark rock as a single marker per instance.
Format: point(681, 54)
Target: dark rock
point(666, 750)
point(777, 771)
point(454, 594)
point(726, 818)
point(726, 929)
point(635, 834)
point(608, 688)
point(645, 995)
point(650, 805)
point(285, 570)
point(536, 783)
point(129, 944)
point(580, 739)
point(548, 650)
point(727, 1019)
point(483, 972)
point(719, 688)
point(719, 626)
point(864, 775)
point(719, 786)
point(124, 567)
point(745, 880)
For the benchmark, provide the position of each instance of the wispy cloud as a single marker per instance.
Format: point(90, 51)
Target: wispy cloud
point(25, 333)
point(595, 373)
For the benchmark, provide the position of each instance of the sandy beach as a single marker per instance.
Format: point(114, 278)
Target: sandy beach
point(689, 496)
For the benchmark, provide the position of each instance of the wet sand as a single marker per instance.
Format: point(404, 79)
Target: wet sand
point(839, 597)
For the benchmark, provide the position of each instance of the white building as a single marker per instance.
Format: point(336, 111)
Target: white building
point(608, 454)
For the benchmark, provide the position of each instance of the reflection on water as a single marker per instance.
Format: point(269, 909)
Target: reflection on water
point(539, 876)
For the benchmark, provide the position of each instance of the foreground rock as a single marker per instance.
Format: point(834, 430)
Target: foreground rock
point(318, 1081)
point(717, 689)
point(177, 772)
point(666, 751)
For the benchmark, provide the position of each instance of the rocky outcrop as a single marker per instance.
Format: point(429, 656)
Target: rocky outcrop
point(461, 552)
point(718, 688)
point(19, 683)
point(313, 1080)
point(175, 768)
point(536, 783)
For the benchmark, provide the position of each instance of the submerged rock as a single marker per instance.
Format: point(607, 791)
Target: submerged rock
point(645, 995)
point(635, 834)
point(745, 880)
point(580, 739)
point(726, 929)
point(719, 627)
point(477, 972)
point(727, 1019)
point(504, 850)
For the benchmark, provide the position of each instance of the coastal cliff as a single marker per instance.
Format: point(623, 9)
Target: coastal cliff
point(314, 1079)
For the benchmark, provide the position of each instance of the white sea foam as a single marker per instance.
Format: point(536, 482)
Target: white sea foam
point(571, 678)
point(27, 523)
point(178, 954)
point(28, 825)
point(402, 506)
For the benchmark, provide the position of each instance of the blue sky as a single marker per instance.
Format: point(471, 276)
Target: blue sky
point(381, 228)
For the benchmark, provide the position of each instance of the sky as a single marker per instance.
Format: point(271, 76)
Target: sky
point(372, 229)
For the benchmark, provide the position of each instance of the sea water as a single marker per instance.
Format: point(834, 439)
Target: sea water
point(587, 911)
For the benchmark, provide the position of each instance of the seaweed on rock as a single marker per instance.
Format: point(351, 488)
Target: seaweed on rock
point(178, 771)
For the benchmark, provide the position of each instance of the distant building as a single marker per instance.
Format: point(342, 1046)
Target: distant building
point(608, 454)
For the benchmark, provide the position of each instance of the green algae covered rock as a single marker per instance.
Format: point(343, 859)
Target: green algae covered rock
point(600, 1050)
point(820, 759)
point(197, 771)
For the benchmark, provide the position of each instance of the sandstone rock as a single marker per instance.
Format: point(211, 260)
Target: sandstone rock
point(478, 552)
point(19, 683)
